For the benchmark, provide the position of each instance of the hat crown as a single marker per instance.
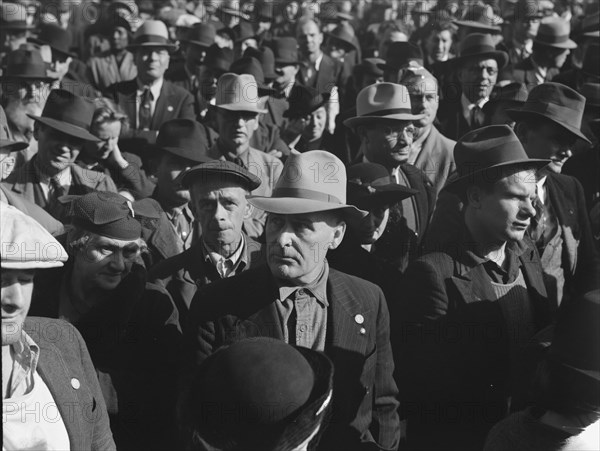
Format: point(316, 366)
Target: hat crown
point(475, 43)
point(382, 98)
point(185, 138)
point(25, 62)
point(483, 14)
point(56, 37)
point(285, 50)
point(266, 57)
point(553, 26)
point(152, 33)
point(202, 33)
point(218, 58)
point(557, 94)
point(514, 92)
point(237, 92)
point(67, 107)
point(249, 65)
point(304, 100)
point(368, 174)
point(401, 54)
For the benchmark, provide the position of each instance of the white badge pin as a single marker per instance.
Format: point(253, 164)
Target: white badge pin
point(359, 319)
point(363, 331)
point(75, 383)
point(169, 108)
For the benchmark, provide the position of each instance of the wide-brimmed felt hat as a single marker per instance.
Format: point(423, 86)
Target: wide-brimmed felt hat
point(370, 66)
point(478, 45)
point(303, 100)
point(25, 64)
point(554, 32)
point(329, 12)
point(554, 101)
point(183, 138)
point(260, 393)
point(481, 17)
point(218, 58)
point(238, 93)
point(401, 55)
point(56, 37)
point(220, 169)
point(343, 34)
point(298, 191)
point(152, 33)
point(251, 66)
point(68, 113)
point(488, 148)
point(26, 244)
point(285, 50)
point(201, 34)
point(13, 17)
point(267, 60)
point(591, 92)
point(513, 93)
point(379, 101)
point(370, 184)
point(244, 30)
point(7, 146)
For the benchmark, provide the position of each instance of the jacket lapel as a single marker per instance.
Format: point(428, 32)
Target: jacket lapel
point(162, 106)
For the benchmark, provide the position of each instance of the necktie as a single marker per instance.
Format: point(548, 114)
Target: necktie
point(55, 191)
point(145, 113)
point(476, 117)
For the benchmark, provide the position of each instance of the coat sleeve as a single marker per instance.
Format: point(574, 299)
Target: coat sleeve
point(187, 107)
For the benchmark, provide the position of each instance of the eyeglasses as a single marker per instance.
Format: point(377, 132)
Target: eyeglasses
point(476, 70)
point(395, 131)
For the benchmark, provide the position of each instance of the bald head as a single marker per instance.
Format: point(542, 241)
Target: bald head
point(423, 90)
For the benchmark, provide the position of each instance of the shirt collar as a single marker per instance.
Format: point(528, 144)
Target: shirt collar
point(155, 88)
point(318, 61)
point(239, 256)
point(318, 287)
point(468, 106)
point(26, 355)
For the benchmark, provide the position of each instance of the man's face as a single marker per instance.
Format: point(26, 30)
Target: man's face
point(372, 226)
point(314, 124)
point(17, 287)
point(236, 128)
point(477, 78)
point(168, 170)
point(548, 141)
point(104, 262)
point(56, 150)
point(291, 10)
point(438, 45)
point(526, 28)
point(208, 78)
point(297, 244)
point(309, 38)
point(194, 56)
point(108, 133)
point(558, 57)
point(220, 208)
point(60, 65)
point(424, 100)
point(29, 95)
point(119, 39)
point(388, 142)
point(11, 40)
point(286, 74)
point(151, 63)
point(504, 214)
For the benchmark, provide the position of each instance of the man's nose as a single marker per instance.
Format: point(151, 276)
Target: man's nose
point(529, 209)
point(117, 261)
point(12, 297)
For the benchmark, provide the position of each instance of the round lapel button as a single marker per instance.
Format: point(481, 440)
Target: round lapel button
point(359, 319)
point(75, 383)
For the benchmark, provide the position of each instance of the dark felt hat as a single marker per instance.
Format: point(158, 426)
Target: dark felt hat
point(260, 393)
point(267, 60)
point(371, 66)
point(218, 58)
point(558, 103)
point(244, 30)
point(107, 25)
point(591, 92)
point(514, 93)
point(69, 114)
point(491, 147)
point(252, 66)
point(554, 32)
point(201, 34)
point(183, 138)
point(25, 64)
point(303, 100)
point(590, 26)
point(401, 55)
point(479, 45)
point(56, 37)
point(285, 50)
point(264, 11)
point(220, 168)
point(370, 184)
point(329, 12)
point(343, 34)
point(13, 17)
point(480, 17)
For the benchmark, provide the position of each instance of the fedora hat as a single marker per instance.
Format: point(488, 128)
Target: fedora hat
point(527, 9)
point(514, 94)
point(25, 64)
point(590, 26)
point(251, 66)
point(244, 30)
point(371, 66)
point(478, 45)
point(224, 169)
point(491, 147)
point(382, 101)
point(554, 32)
point(370, 184)
point(343, 34)
point(554, 101)
point(13, 17)
point(56, 37)
point(267, 60)
point(238, 93)
point(299, 191)
point(291, 385)
point(152, 33)
point(591, 92)
point(286, 51)
point(303, 100)
point(201, 34)
point(218, 58)
point(183, 138)
point(480, 17)
point(69, 114)
point(401, 55)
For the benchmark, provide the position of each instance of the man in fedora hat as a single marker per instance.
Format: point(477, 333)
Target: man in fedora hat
point(479, 18)
point(503, 98)
point(384, 125)
point(52, 372)
point(551, 46)
point(221, 249)
point(293, 383)
point(476, 67)
point(15, 27)
point(548, 125)
point(524, 25)
point(149, 100)
point(61, 131)
point(299, 299)
point(587, 72)
point(486, 277)
point(237, 106)
point(399, 57)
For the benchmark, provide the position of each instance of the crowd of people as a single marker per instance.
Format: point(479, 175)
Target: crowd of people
point(296, 225)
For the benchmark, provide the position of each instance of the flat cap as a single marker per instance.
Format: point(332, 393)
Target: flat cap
point(219, 168)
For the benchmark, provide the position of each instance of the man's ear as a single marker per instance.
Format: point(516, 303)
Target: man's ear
point(474, 196)
point(338, 235)
point(248, 209)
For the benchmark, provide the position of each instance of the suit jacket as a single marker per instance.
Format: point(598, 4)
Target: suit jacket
point(436, 158)
point(328, 75)
point(364, 392)
point(524, 72)
point(63, 359)
point(452, 122)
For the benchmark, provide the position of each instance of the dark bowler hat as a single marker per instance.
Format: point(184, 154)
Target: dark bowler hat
point(244, 30)
point(514, 94)
point(370, 184)
point(201, 34)
point(183, 138)
point(56, 37)
point(554, 101)
point(478, 45)
point(69, 114)
point(480, 17)
point(218, 58)
point(25, 64)
point(267, 60)
point(220, 168)
point(554, 32)
point(491, 147)
point(152, 33)
point(286, 51)
point(260, 394)
point(13, 17)
point(304, 100)
point(250, 65)
point(109, 214)
point(401, 55)
point(343, 34)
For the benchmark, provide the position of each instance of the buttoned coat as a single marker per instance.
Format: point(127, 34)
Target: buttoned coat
point(436, 158)
point(328, 75)
point(357, 341)
point(66, 368)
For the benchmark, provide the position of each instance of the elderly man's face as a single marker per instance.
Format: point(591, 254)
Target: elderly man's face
point(220, 207)
point(388, 142)
point(27, 95)
point(236, 128)
point(297, 244)
point(151, 63)
point(424, 100)
point(477, 78)
point(17, 287)
point(309, 38)
point(56, 150)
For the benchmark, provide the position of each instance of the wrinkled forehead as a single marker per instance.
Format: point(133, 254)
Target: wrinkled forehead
point(422, 84)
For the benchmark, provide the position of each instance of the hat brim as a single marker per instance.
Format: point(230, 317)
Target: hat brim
point(500, 56)
point(295, 206)
point(281, 62)
point(187, 154)
point(359, 120)
point(65, 127)
point(479, 25)
point(519, 114)
point(387, 194)
point(19, 27)
point(7, 264)
point(27, 77)
point(241, 107)
point(568, 44)
point(147, 45)
point(187, 178)
point(348, 44)
point(54, 49)
point(197, 43)
point(292, 113)
point(7, 145)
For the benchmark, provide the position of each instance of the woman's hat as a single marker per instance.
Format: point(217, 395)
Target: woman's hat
point(238, 93)
point(183, 138)
point(69, 114)
point(152, 33)
point(554, 32)
point(299, 190)
point(492, 147)
point(370, 184)
point(382, 101)
point(303, 101)
point(554, 101)
point(56, 37)
point(25, 64)
point(478, 45)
